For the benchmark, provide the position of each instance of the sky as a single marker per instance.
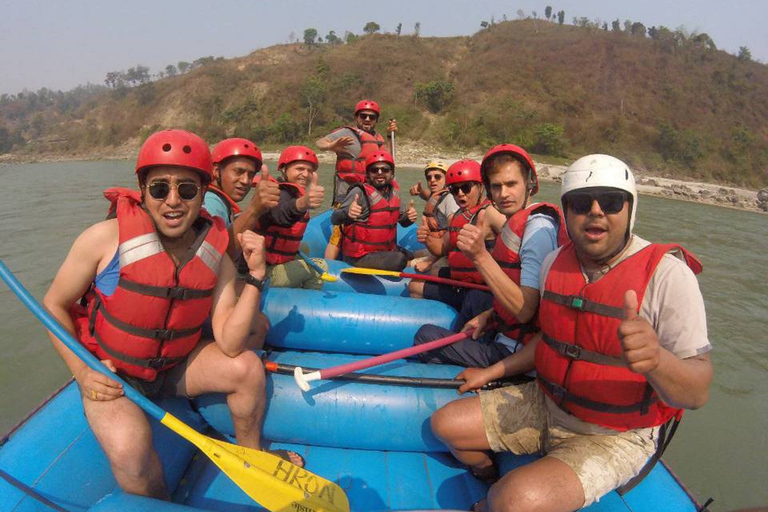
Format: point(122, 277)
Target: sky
point(61, 44)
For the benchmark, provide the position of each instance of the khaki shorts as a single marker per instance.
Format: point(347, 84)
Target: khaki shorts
point(335, 238)
point(296, 274)
point(517, 420)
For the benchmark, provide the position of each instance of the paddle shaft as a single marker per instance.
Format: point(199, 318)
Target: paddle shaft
point(392, 142)
point(392, 380)
point(445, 280)
point(72, 344)
point(342, 369)
point(312, 263)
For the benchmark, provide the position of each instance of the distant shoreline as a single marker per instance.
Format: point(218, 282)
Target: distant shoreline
point(414, 156)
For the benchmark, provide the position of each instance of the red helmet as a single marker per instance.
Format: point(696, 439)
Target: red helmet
point(518, 153)
point(236, 147)
point(463, 170)
point(296, 154)
point(379, 156)
point(178, 148)
point(367, 105)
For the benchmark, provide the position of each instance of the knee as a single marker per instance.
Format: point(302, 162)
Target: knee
point(440, 422)
point(512, 494)
point(247, 371)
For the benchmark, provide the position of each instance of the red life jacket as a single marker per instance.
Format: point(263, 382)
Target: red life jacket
point(352, 169)
point(506, 252)
point(153, 319)
point(232, 207)
point(379, 232)
point(462, 267)
point(579, 359)
point(282, 243)
point(429, 212)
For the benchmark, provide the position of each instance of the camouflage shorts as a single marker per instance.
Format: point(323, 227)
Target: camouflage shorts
point(296, 274)
point(517, 420)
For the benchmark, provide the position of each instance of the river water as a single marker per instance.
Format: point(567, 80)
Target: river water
point(719, 451)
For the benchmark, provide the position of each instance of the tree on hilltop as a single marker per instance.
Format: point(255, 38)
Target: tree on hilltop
point(744, 54)
point(371, 27)
point(310, 36)
point(183, 66)
point(548, 12)
point(561, 17)
point(417, 29)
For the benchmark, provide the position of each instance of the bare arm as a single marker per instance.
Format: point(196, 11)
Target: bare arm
point(231, 317)
point(92, 250)
point(679, 382)
point(518, 363)
point(521, 301)
point(266, 196)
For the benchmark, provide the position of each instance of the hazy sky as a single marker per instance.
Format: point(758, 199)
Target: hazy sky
point(60, 44)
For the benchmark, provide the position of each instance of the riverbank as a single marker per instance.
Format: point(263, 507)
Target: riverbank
point(414, 155)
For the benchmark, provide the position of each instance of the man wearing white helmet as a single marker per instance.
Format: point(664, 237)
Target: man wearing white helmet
point(623, 351)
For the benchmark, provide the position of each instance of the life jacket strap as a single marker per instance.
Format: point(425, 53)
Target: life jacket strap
point(563, 395)
point(572, 351)
point(176, 292)
point(156, 363)
point(582, 304)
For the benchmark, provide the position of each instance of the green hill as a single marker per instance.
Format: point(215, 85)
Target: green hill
point(671, 103)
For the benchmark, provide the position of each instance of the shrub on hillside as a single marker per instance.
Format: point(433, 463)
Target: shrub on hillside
point(548, 139)
point(434, 95)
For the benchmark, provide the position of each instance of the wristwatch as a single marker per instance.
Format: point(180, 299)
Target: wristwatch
point(258, 283)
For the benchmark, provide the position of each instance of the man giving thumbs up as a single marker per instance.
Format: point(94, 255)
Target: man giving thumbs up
point(369, 215)
point(283, 226)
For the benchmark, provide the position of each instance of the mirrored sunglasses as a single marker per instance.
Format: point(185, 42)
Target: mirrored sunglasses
point(161, 189)
point(609, 202)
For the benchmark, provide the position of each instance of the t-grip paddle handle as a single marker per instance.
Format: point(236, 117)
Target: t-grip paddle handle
point(303, 380)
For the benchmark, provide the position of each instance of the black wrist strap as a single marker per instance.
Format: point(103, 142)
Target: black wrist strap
point(258, 283)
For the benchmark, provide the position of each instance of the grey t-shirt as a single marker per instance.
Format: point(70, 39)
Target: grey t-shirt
point(353, 149)
point(445, 210)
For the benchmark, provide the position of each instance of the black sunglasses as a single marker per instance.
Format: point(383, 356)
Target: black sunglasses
point(610, 202)
point(379, 170)
point(436, 176)
point(161, 189)
point(368, 117)
point(464, 187)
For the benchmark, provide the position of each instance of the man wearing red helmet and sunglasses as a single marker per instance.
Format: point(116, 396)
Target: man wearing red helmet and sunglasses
point(623, 350)
point(465, 184)
point(151, 275)
point(369, 215)
point(283, 226)
point(353, 145)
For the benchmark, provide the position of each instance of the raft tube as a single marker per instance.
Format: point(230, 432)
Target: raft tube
point(343, 322)
point(346, 414)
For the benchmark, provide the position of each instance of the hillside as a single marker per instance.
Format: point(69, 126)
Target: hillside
point(669, 105)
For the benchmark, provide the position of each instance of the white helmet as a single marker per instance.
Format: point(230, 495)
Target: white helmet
point(593, 171)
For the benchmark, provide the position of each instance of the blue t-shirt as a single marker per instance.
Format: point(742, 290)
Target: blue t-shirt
point(540, 239)
point(216, 206)
point(106, 280)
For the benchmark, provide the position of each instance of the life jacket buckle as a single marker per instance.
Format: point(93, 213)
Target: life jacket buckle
point(163, 334)
point(576, 302)
point(177, 293)
point(158, 363)
point(570, 351)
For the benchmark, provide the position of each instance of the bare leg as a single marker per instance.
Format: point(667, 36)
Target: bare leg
point(123, 431)
point(546, 484)
point(241, 378)
point(459, 425)
point(331, 252)
point(416, 289)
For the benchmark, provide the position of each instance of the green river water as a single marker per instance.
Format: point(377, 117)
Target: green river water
point(719, 451)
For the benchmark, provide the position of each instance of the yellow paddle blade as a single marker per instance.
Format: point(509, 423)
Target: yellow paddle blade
point(272, 482)
point(370, 271)
point(328, 277)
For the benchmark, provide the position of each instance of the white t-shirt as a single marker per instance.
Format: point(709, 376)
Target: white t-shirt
point(672, 304)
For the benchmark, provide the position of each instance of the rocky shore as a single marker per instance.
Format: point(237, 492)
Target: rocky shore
point(415, 155)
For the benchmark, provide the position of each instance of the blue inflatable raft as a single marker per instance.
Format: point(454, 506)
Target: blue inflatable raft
point(373, 440)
